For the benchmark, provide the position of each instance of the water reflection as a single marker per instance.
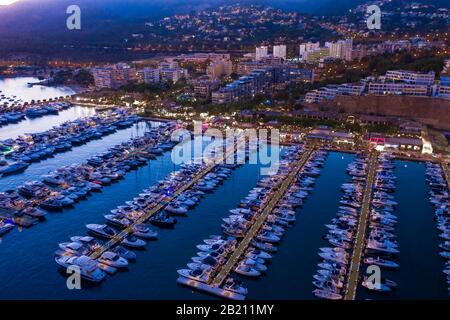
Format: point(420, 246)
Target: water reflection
point(18, 87)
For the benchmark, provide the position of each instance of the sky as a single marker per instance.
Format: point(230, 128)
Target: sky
point(6, 2)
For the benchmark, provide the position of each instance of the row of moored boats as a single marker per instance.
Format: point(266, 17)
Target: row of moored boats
point(20, 152)
point(15, 113)
point(65, 186)
point(438, 190)
point(329, 279)
point(135, 215)
point(382, 248)
point(215, 251)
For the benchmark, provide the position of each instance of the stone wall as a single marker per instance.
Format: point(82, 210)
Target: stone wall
point(430, 111)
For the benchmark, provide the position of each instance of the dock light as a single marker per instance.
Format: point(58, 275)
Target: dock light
point(169, 191)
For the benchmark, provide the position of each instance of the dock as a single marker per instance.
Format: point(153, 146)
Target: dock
point(243, 245)
point(353, 274)
point(154, 209)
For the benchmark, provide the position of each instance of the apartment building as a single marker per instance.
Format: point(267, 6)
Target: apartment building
point(113, 76)
point(261, 52)
point(170, 71)
point(220, 68)
point(443, 92)
point(386, 88)
point(257, 82)
point(322, 94)
point(204, 86)
point(411, 77)
point(260, 81)
point(246, 67)
point(341, 49)
point(149, 75)
point(280, 51)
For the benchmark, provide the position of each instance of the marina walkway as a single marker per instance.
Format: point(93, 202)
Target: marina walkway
point(353, 274)
point(243, 245)
point(154, 209)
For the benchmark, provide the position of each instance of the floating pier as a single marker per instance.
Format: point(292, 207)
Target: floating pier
point(151, 212)
point(353, 274)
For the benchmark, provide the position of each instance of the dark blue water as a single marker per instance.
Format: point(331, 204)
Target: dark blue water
point(420, 275)
point(289, 276)
point(28, 271)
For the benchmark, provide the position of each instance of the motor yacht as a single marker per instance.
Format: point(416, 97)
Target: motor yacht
point(133, 242)
point(113, 259)
point(89, 268)
point(102, 230)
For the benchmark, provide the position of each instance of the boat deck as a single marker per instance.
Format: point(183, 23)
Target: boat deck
point(353, 274)
point(221, 275)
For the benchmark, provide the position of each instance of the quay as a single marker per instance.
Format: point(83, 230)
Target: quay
point(353, 274)
point(243, 245)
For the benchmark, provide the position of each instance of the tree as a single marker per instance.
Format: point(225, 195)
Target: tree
point(84, 77)
point(62, 76)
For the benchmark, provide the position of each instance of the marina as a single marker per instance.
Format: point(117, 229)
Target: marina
point(353, 275)
point(210, 272)
point(164, 247)
point(19, 153)
point(20, 102)
point(150, 214)
point(172, 195)
point(63, 187)
point(16, 114)
point(35, 125)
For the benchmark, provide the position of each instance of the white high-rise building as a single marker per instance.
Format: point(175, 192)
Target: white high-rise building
point(309, 46)
point(279, 51)
point(261, 52)
point(170, 71)
point(304, 48)
point(341, 49)
point(347, 49)
point(149, 75)
point(113, 76)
